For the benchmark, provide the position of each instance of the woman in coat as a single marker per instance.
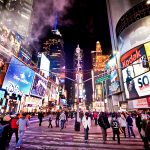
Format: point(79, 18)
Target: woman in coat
point(123, 124)
point(86, 121)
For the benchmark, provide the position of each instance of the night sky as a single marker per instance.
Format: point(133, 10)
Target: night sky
point(80, 22)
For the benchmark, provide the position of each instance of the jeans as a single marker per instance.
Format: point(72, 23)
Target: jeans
point(116, 132)
point(40, 121)
point(16, 134)
point(86, 133)
point(21, 133)
point(57, 122)
point(130, 131)
point(62, 124)
point(104, 134)
point(124, 131)
point(50, 124)
point(95, 121)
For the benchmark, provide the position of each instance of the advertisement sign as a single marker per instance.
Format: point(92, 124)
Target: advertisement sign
point(148, 101)
point(39, 86)
point(25, 54)
point(114, 83)
point(147, 49)
point(44, 65)
point(10, 40)
point(138, 103)
point(136, 72)
point(19, 78)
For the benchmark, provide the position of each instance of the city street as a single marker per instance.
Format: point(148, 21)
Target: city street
point(41, 138)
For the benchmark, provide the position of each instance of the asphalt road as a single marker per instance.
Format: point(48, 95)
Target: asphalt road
point(44, 138)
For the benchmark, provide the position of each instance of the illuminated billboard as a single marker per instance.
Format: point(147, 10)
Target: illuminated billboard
point(10, 40)
point(113, 83)
point(44, 65)
point(39, 86)
point(18, 78)
point(136, 72)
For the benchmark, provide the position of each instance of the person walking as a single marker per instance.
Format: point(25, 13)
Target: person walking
point(50, 120)
point(4, 132)
point(57, 118)
point(104, 124)
point(115, 127)
point(95, 117)
point(138, 122)
point(123, 123)
point(145, 132)
point(14, 127)
point(129, 121)
point(22, 123)
point(86, 121)
point(40, 117)
point(62, 119)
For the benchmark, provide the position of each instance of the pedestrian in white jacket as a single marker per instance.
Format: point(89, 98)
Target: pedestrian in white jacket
point(86, 121)
point(123, 124)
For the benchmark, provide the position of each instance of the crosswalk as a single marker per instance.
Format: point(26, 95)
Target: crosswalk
point(43, 138)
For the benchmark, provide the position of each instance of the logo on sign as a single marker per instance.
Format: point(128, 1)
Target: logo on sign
point(143, 82)
point(131, 59)
point(12, 88)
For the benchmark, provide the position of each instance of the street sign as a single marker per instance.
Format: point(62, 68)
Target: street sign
point(99, 80)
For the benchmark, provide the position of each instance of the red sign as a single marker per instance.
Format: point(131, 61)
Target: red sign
point(148, 101)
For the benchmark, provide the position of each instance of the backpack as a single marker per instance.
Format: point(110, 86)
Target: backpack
point(115, 124)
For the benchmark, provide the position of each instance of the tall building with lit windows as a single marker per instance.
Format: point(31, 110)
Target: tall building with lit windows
point(54, 50)
point(79, 99)
point(99, 63)
point(16, 15)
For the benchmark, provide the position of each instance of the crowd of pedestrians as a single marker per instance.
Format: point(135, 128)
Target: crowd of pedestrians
point(121, 123)
point(10, 124)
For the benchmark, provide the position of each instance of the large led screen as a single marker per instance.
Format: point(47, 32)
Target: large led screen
point(10, 40)
point(136, 72)
point(45, 65)
point(113, 84)
point(19, 78)
point(39, 86)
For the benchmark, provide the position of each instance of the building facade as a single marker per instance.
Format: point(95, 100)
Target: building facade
point(129, 28)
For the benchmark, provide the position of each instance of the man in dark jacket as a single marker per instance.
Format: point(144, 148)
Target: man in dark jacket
point(138, 122)
point(130, 126)
point(115, 127)
point(104, 124)
point(57, 118)
point(40, 117)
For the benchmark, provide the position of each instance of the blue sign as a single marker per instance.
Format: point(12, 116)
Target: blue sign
point(19, 78)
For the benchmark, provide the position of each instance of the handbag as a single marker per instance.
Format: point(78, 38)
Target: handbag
point(121, 130)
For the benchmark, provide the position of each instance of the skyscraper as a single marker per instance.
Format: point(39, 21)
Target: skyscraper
point(16, 15)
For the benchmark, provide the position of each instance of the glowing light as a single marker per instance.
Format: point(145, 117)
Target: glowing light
point(148, 2)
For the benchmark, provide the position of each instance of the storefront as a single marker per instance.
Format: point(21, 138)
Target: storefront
point(30, 104)
point(138, 104)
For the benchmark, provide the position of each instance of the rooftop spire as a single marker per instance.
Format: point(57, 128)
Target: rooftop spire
point(55, 22)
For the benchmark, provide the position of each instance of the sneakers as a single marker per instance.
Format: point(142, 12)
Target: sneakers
point(17, 147)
